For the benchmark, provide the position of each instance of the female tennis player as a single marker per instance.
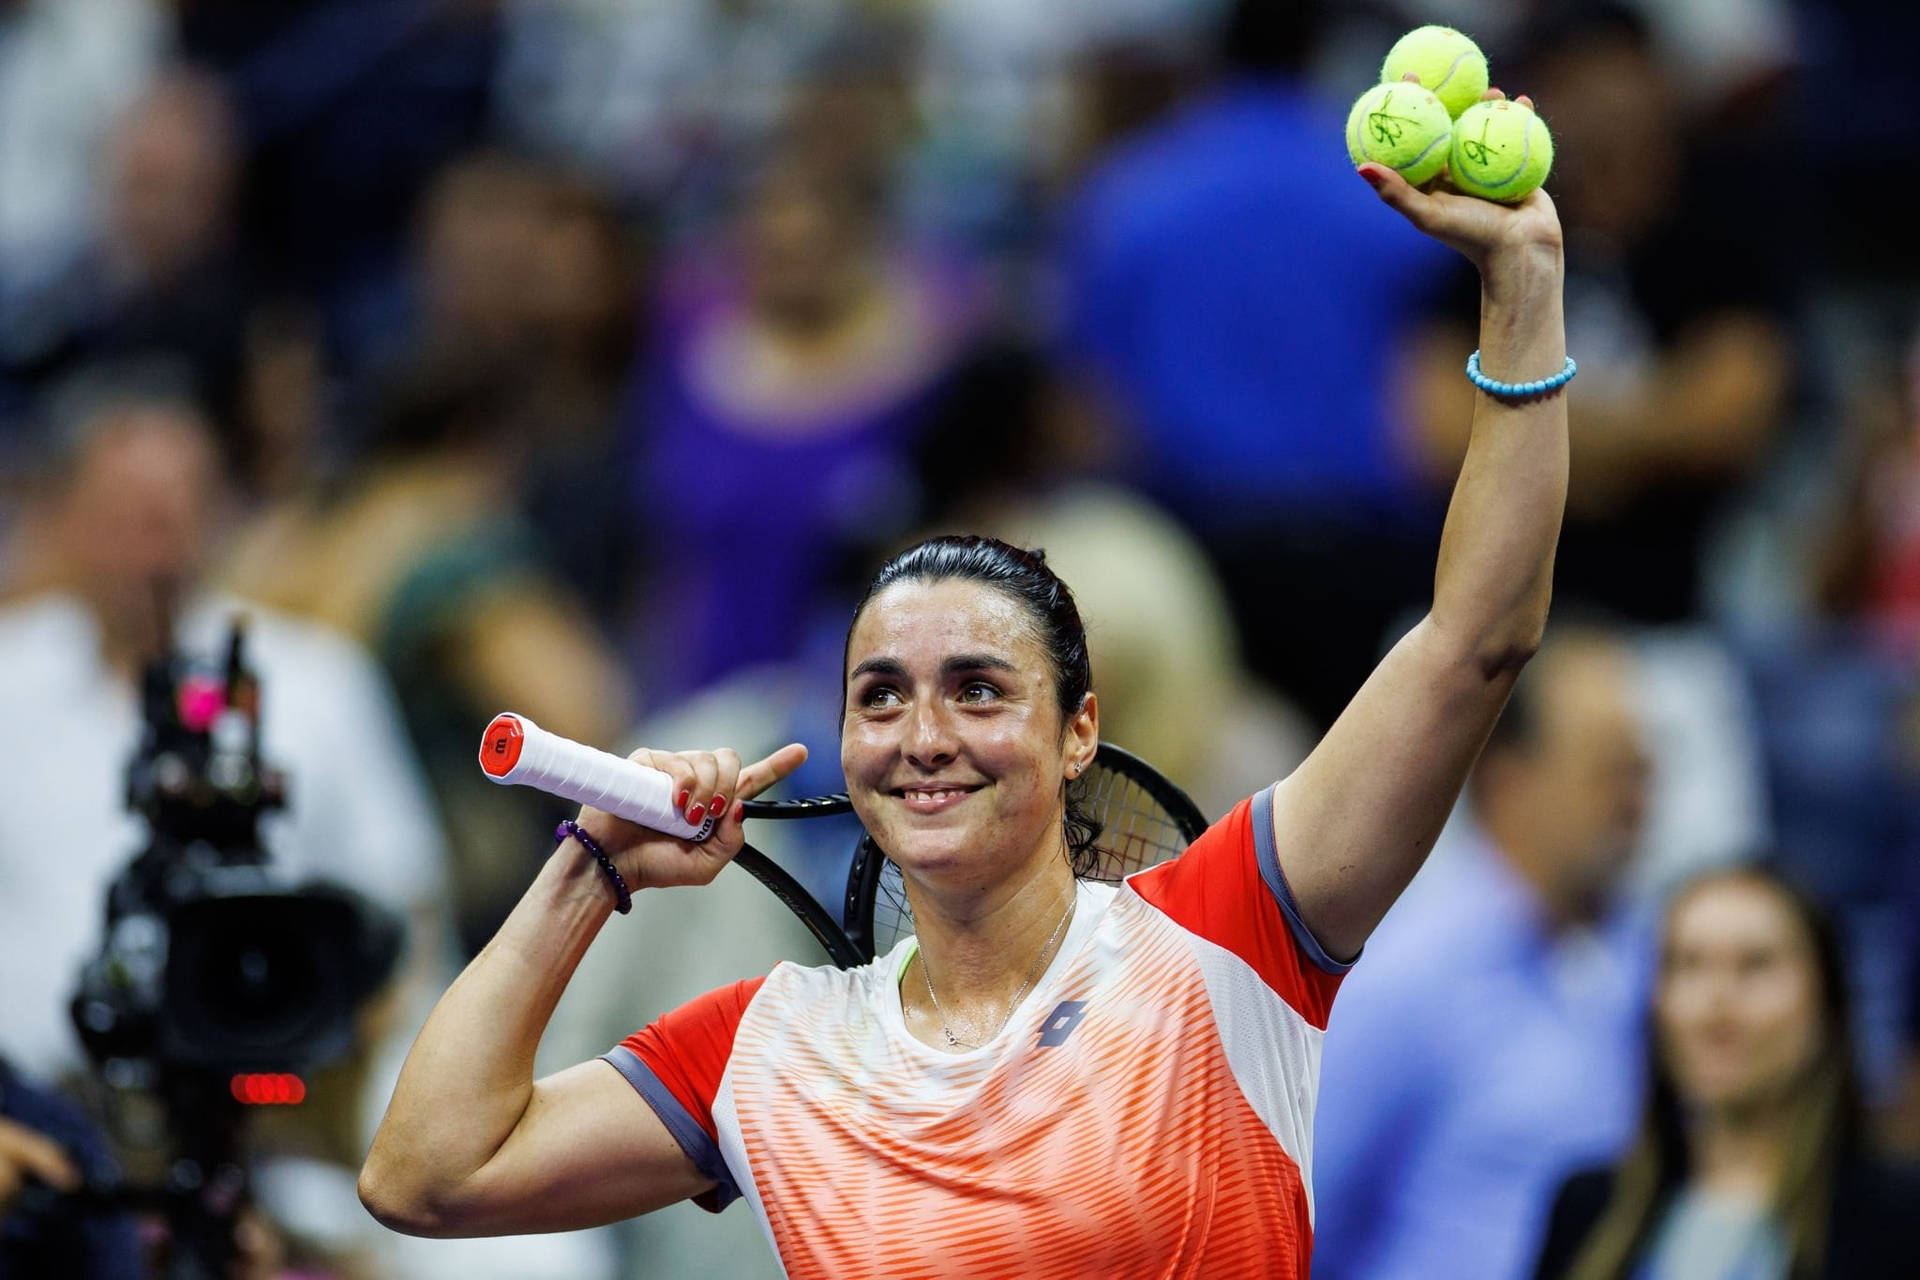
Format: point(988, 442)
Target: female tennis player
point(1053, 1077)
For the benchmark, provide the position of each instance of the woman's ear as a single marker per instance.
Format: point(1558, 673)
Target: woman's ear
point(1083, 737)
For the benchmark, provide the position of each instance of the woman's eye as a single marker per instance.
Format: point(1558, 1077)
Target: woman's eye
point(880, 697)
point(978, 691)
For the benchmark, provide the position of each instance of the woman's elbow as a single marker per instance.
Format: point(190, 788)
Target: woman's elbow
point(1496, 654)
point(403, 1204)
point(1501, 657)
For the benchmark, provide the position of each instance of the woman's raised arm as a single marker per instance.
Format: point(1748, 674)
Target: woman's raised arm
point(1354, 822)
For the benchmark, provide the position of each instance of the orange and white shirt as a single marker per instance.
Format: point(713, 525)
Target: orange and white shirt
point(1147, 1110)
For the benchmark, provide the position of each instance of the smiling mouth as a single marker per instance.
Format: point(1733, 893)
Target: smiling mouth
point(933, 799)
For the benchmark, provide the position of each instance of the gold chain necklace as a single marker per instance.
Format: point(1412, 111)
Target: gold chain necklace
point(1033, 972)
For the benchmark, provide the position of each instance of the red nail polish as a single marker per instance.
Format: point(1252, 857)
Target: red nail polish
point(684, 797)
point(719, 803)
point(1373, 179)
point(697, 814)
point(739, 810)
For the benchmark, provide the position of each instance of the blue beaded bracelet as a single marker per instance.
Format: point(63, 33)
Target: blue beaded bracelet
point(1519, 390)
point(622, 900)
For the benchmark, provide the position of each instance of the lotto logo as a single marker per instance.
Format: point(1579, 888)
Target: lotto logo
point(1061, 1022)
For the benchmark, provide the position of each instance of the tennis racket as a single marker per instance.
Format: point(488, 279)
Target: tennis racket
point(1138, 816)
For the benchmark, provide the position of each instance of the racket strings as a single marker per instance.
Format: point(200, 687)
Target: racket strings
point(1136, 831)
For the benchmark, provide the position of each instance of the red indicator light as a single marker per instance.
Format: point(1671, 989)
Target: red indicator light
point(268, 1089)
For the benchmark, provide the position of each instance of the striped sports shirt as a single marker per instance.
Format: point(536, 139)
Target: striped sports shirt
point(1147, 1109)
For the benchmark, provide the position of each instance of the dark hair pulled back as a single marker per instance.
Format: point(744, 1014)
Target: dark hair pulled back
point(1025, 576)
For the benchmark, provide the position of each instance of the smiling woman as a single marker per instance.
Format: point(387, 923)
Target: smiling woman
point(1049, 1075)
point(1752, 1161)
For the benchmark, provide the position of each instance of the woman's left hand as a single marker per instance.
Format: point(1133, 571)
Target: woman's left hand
point(1483, 230)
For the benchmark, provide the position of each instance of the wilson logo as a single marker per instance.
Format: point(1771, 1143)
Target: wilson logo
point(1061, 1022)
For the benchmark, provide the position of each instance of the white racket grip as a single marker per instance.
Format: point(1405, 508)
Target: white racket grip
point(516, 751)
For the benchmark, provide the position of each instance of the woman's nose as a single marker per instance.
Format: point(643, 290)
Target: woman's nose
point(930, 739)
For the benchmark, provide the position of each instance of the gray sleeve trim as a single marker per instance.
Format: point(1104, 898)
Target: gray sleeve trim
point(1276, 880)
point(701, 1149)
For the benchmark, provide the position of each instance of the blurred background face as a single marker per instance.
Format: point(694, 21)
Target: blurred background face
point(1738, 1007)
point(174, 163)
point(1577, 793)
point(803, 251)
point(137, 509)
point(1617, 128)
point(579, 287)
point(481, 242)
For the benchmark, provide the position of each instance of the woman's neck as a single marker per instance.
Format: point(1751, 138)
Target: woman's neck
point(980, 954)
point(1739, 1151)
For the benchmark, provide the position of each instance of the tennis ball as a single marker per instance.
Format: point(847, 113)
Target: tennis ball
point(1447, 62)
point(1403, 127)
point(1501, 151)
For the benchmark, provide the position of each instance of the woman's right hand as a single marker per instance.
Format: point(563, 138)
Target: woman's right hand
point(704, 782)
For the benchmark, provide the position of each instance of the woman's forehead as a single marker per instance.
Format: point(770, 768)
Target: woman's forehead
point(933, 620)
point(1733, 912)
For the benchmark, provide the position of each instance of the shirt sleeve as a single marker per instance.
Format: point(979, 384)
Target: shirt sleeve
point(676, 1063)
point(1228, 888)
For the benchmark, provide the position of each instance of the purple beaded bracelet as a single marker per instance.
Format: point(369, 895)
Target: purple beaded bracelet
point(622, 900)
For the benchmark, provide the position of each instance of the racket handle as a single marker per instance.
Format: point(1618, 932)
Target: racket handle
point(519, 752)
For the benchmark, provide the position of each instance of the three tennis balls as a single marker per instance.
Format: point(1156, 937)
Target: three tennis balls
point(1496, 149)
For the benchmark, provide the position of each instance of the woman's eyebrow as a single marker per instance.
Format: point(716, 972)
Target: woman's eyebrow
point(959, 662)
point(975, 662)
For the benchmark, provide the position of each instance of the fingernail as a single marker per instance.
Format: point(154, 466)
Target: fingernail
point(684, 797)
point(1373, 179)
point(716, 805)
point(739, 810)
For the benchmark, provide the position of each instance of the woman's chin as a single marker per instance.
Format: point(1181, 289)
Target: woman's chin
point(934, 855)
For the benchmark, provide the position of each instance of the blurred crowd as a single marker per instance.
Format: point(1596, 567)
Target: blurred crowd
point(581, 357)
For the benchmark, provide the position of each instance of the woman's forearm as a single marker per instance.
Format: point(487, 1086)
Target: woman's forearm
point(469, 1076)
point(1495, 571)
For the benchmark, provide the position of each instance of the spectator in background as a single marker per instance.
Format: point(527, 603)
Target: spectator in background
point(1677, 303)
point(1490, 1040)
point(1868, 564)
point(163, 273)
point(650, 93)
point(68, 69)
point(347, 107)
point(129, 494)
point(166, 277)
point(527, 267)
point(1232, 293)
point(1840, 691)
point(791, 372)
point(422, 556)
point(1750, 1162)
point(534, 267)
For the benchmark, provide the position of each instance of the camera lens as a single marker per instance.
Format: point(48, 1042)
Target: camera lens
point(259, 979)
